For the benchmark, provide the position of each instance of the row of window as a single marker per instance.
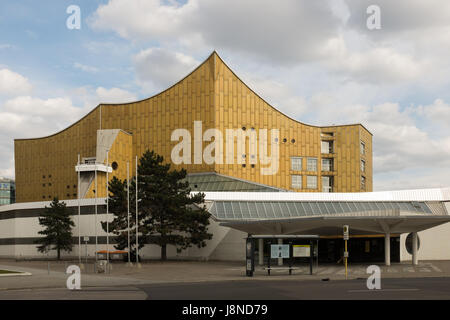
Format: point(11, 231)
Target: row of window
point(68, 196)
point(311, 164)
point(5, 186)
point(311, 182)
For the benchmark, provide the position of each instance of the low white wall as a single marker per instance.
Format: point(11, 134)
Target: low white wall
point(434, 244)
point(29, 228)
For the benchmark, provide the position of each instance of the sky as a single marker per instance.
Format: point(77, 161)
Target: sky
point(316, 61)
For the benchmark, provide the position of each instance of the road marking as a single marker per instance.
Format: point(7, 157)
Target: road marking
point(378, 290)
point(325, 271)
point(435, 268)
point(392, 270)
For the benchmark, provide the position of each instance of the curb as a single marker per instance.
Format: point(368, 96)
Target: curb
point(18, 274)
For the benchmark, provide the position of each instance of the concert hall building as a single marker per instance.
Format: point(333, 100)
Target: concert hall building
point(262, 171)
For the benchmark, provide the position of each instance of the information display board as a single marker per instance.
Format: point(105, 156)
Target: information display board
point(279, 251)
point(301, 250)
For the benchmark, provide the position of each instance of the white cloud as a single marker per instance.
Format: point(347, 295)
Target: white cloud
point(382, 65)
point(85, 68)
point(158, 68)
point(13, 84)
point(114, 95)
point(438, 112)
point(285, 32)
point(38, 116)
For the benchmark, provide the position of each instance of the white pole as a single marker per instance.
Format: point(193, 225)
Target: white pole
point(95, 224)
point(128, 209)
point(415, 259)
point(79, 214)
point(107, 209)
point(137, 238)
point(387, 249)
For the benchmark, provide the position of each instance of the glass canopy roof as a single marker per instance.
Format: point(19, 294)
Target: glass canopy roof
point(262, 210)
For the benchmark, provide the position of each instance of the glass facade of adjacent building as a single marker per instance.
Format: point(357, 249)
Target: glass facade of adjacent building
point(7, 191)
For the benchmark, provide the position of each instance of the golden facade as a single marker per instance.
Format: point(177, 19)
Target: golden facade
point(214, 95)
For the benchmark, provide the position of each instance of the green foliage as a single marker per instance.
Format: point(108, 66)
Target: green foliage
point(57, 228)
point(118, 204)
point(168, 213)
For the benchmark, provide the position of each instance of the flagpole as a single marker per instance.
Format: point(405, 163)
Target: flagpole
point(137, 237)
point(79, 213)
point(95, 224)
point(128, 208)
point(107, 209)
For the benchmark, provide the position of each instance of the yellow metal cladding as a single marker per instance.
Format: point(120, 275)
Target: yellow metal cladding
point(212, 94)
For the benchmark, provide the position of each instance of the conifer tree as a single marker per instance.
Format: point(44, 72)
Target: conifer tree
point(168, 213)
point(58, 228)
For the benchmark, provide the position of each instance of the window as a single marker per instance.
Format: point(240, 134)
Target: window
point(327, 164)
point(311, 182)
point(327, 134)
point(296, 163)
point(326, 146)
point(363, 183)
point(312, 164)
point(363, 148)
point(327, 184)
point(363, 166)
point(296, 181)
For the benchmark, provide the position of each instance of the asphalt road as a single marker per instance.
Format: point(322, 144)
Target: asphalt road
point(391, 289)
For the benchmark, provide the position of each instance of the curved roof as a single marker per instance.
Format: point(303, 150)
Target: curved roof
point(213, 54)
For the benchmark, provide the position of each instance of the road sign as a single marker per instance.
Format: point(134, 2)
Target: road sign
point(346, 232)
point(86, 239)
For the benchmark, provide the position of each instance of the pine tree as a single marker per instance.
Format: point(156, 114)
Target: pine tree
point(58, 228)
point(168, 214)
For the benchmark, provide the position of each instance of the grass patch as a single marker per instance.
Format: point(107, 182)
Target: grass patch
point(7, 271)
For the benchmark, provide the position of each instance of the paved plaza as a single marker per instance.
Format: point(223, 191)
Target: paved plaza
point(48, 279)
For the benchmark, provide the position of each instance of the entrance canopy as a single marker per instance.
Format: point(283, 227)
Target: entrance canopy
point(325, 213)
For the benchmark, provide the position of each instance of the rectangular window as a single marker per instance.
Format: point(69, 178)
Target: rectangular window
point(296, 181)
point(311, 182)
point(327, 164)
point(363, 148)
point(363, 166)
point(327, 184)
point(326, 146)
point(296, 163)
point(363, 183)
point(311, 164)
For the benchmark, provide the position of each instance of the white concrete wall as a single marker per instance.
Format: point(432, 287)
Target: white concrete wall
point(29, 228)
point(434, 244)
point(232, 247)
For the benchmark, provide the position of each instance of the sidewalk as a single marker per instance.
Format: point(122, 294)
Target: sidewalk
point(122, 275)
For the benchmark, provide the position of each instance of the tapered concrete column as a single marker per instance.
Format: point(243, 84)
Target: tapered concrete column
point(280, 260)
point(260, 252)
point(415, 259)
point(387, 249)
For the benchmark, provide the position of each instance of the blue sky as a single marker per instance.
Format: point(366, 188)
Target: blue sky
point(315, 61)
